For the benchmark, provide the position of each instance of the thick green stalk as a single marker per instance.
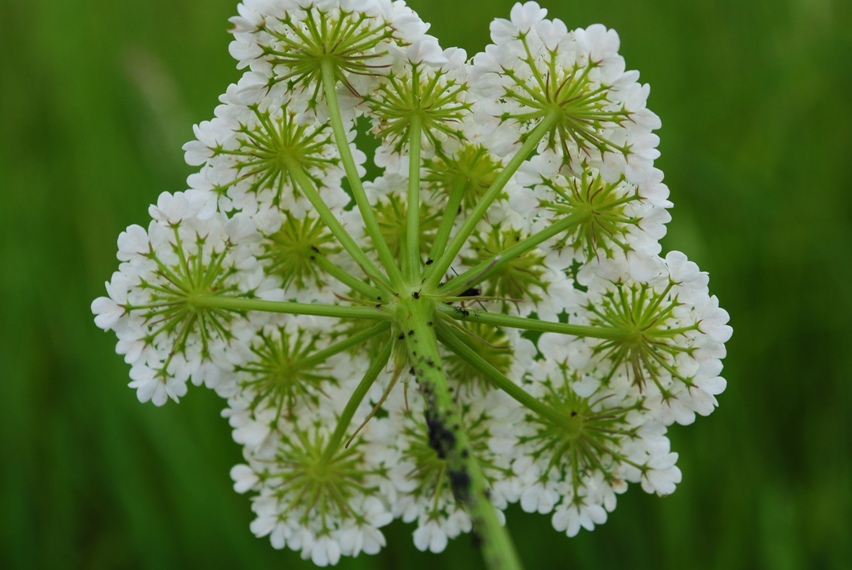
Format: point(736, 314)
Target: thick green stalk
point(483, 270)
point(329, 82)
point(609, 333)
point(412, 228)
point(443, 263)
point(448, 437)
point(243, 304)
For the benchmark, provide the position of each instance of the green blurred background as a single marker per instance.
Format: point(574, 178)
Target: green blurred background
point(97, 97)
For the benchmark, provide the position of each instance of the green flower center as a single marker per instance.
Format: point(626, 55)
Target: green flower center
point(471, 168)
point(603, 224)
point(283, 372)
point(293, 249)
point(317, 483)
point(582, 107)
point(587, 437)
point(269, 151)
point(391, 215)
point(348, 40)
point(648, 345)
point(492, 345)
point(434, 101)
point(514, 280)
point(176, 307)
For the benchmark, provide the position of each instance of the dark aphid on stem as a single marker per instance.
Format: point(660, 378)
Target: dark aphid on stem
point(471, 292)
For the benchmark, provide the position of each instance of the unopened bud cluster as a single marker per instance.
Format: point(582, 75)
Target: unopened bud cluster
point(490, 315)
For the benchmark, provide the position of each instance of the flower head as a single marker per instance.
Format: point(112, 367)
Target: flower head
point(489, 321)
point(574, 83)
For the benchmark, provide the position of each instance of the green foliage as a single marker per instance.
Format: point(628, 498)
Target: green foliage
point(95, 103)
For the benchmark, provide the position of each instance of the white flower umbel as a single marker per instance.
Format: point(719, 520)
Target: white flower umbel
point(313, 500)
point(371, 339)
point(162, 300)
point(589, 445)
point(256, 157)
point(425, 92)
point(671, 334)
point(537, 72)
point(599, 219)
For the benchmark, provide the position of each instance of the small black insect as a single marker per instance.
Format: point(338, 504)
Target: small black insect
point(472, 292)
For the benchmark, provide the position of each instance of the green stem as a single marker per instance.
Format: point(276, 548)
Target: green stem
point(347, 279)
point(243, 304)
point(412, 229)
point(451, 212)
point(329, 81)
point(455, 342)
point(350, 342)
point(443, 263)
point(483, 270)
point(355, 400)
point(336, 228)
point(609, 333)
point(448, 437)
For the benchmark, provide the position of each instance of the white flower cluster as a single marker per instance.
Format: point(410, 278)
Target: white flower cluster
point(536, 69)
point(616, 395)
point(181, 255)
point(283, 280)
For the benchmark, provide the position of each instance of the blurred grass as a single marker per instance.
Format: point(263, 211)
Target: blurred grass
point(95, 102)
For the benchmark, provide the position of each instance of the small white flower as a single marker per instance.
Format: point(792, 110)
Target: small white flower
point(171, 209)
point(244, 478)
point(324, 551)
point(526, 15)
point(430, 536)
point(132, 242)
